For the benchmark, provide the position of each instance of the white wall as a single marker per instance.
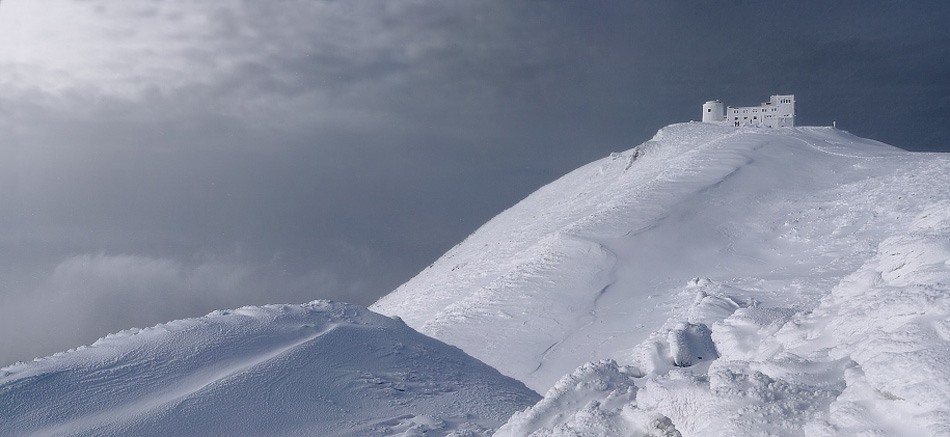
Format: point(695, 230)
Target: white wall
point(779, 111)
point(713, 110)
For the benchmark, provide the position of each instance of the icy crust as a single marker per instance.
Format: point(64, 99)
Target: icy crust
point(870, 359)
point(322, 368)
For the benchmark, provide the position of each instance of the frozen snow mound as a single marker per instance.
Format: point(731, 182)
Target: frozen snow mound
point(321, 368)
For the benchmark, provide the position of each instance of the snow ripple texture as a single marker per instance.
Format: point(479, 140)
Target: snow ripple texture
point(322, 368)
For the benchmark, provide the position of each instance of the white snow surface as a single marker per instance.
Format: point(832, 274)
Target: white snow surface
point(321, 368)
point(713, 281)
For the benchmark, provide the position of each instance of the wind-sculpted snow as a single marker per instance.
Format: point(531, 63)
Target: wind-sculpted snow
point(317, 369)
point(870, 359)
point(724, 281)
point(598, 398)
point(890, 323)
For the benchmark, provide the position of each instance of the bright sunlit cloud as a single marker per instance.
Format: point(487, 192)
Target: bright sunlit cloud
point(111, 47)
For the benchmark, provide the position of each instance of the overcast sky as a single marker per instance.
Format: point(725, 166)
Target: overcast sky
point(161, 159)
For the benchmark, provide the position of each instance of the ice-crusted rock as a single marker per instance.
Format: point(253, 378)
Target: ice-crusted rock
point(691, 343)
point(683, 343)
point(709, 307)
point(598, 398)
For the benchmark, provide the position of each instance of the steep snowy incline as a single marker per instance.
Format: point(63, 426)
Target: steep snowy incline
point(870, 359)
point(321, 368)
point(602, 262)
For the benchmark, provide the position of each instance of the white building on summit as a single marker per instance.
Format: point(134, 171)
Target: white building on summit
point(779, 111)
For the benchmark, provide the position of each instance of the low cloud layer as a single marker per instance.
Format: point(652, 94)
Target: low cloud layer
point(162, 159)
point(100, 293)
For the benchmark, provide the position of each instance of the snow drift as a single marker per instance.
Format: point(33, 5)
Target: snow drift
point(713, 280)
point(321, 368)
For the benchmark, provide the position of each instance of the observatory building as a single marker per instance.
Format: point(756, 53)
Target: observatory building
point(779, 111)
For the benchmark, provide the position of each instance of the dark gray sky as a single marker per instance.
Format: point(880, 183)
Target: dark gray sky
point(162, 159)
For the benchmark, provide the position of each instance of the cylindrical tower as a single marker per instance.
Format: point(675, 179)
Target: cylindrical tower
point(713, 111)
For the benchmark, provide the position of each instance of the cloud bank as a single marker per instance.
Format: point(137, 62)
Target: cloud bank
point(162, 159)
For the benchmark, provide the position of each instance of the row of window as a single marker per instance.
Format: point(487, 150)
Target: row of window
point(754, 117)
point(746, 111)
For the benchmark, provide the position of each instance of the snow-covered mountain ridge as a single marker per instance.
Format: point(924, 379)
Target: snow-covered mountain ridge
point(321, 368)
point(711, 281)
point(743, 279)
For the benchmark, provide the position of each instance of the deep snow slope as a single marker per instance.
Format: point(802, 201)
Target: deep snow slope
point(321, 368)
point(715, 281)
point(870, 359)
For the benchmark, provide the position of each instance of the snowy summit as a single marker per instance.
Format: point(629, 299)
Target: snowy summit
point(714, 280)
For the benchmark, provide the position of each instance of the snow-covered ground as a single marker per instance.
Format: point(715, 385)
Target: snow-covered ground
point(711, 281)
point(714, 281)
point(316, 369)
